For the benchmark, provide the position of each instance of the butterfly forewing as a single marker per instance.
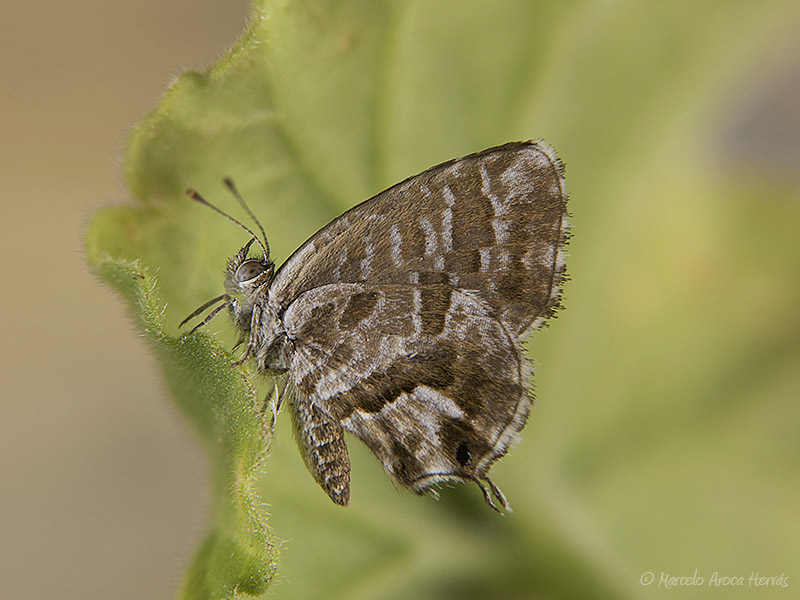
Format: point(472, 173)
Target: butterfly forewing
point(492, 222)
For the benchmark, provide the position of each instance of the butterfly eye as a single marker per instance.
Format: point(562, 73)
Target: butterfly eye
point(249, 269)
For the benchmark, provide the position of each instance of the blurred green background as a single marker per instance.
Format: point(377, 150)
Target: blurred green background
point(665, 436)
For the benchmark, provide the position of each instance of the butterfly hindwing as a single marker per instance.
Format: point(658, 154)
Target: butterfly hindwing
point(424, 375)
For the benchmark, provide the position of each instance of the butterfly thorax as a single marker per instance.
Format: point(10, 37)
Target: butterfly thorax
point(272, 347)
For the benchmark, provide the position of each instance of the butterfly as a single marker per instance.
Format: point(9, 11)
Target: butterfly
point(402, 320)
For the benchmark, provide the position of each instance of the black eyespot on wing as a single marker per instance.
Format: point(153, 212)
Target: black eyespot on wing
point(463, 455)
point(464, 445)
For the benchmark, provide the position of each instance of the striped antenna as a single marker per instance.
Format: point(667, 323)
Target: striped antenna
point(229, 184)
point(194, 195)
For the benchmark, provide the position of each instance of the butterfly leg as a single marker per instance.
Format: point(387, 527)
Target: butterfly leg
point(253, 341)
point(274, 400)
point(210, 315)
point(321, 442)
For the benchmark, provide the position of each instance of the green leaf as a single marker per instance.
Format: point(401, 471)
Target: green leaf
point(664, 436)
point(238, 555)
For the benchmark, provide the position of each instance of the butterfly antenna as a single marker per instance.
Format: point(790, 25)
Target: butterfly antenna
point(229, 184)
point(194, 195)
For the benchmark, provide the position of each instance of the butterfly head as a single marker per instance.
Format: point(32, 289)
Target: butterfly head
point(245, 274)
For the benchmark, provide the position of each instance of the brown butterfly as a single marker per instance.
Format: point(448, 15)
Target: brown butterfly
point(402, 320)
